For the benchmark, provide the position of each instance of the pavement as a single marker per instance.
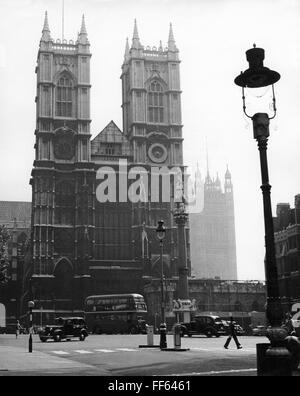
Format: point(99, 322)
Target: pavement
point(120, 355)
point(15, 360)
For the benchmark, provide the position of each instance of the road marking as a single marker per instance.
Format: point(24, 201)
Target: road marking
point(216, 372)
point(127, 349)
point(61, 352)
point(222, 349)
point(104, 350)
point(82, 351)
point(201, 349)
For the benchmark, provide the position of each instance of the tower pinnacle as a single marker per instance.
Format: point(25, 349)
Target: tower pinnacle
point(227, 174)
point(171, 40)
point(46, 30)
point(126, 55)
point(135, 39)
point(82, 37)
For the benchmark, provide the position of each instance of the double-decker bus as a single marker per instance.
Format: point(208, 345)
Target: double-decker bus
point(116, 313)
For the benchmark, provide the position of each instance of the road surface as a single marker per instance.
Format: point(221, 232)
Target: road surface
point(121, 355)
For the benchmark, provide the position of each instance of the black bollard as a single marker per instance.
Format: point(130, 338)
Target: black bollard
point(30, 343)
point(163, 336)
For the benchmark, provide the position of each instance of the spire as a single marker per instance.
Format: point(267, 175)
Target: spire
point(218, 181)
point(207, 166)
point(83, 28)
point(135, 40)
point(227, 174)
point(82, 37)
point(198, 174)
point(171, 41)
point(46, 30)
point(126, 55)
point(228, 183)
point(160, 48)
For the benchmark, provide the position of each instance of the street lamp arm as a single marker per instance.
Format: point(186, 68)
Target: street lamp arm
point(244, 103)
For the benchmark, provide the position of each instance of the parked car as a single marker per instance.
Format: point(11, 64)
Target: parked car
point(208, 325)
point(259, 331)
point(65, 328)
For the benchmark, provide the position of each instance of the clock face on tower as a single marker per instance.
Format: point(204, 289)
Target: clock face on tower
point(157, 153)
point(64, 145)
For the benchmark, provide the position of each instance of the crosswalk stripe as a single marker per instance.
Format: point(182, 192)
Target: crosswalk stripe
point(61, 353)
point(200, 349)
point(127, 349)
point(219, 349)
point(195, 349)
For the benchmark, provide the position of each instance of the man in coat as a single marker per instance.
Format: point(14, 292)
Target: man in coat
point(232, 334)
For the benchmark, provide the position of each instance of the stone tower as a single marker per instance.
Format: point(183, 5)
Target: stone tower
point(63, 176)
point(213, 244)
point(151, 103)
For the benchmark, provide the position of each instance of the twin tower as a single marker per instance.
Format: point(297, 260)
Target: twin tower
point(81, 246)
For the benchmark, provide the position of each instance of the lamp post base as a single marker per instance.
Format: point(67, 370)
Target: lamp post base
point(274, 359)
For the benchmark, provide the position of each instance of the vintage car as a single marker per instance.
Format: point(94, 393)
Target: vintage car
point(203, 324)
point(65, 328)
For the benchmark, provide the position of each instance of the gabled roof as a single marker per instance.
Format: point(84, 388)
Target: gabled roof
point(11, 211)
point(110, 134)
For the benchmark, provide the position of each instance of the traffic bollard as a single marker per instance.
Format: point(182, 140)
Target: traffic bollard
point(177, 336)
point(150, 335)
point(163, 336)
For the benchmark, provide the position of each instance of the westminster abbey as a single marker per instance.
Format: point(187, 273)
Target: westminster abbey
point(79, 244)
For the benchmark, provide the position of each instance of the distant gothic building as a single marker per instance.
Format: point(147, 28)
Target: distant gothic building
point(213, 244)
point(80, 245)
point(16, 217)
point(287, 244)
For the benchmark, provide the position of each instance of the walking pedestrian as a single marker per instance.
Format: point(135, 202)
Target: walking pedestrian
point(18, 327)
point(232, 334)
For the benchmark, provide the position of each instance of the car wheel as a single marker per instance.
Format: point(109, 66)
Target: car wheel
point(189, 335)
point(57, 338)
point(43, 339)
point(217, 335)
point(82, 337)
point(208, 334)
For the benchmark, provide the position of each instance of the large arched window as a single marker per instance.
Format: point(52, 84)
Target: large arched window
point(155, 103)
point(64, 96)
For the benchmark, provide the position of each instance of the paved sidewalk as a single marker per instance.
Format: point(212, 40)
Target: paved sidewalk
point(14, 359)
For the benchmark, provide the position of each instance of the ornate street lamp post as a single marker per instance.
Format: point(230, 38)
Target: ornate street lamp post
point(258, 76)
point(181, 217)
point(161, 234)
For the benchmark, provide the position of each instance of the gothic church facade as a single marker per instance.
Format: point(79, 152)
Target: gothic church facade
point(80, 245)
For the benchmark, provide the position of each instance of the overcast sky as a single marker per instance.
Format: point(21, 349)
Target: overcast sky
point(212, 37)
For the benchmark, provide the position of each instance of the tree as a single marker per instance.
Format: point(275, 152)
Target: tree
point(4, 264)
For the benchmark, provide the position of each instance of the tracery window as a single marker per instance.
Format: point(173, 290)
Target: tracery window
point(64, 97)
point(155, 103)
